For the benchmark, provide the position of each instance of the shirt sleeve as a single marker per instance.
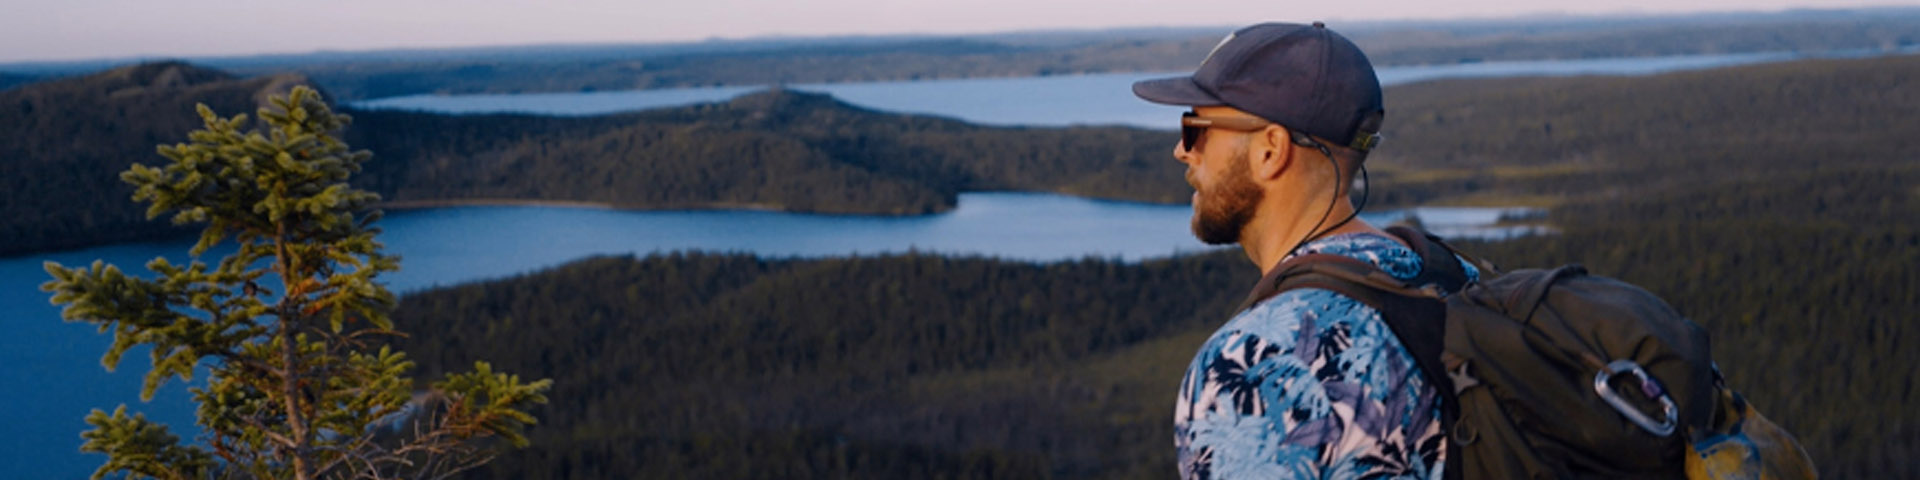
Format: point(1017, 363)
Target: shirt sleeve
point(1307, 385)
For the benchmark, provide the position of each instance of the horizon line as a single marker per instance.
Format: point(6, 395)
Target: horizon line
point(13, 66)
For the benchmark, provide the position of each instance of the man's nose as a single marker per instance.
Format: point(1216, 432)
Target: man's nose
point(1180, 152)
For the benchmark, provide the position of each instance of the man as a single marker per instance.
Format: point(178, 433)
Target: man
point(1309, 383)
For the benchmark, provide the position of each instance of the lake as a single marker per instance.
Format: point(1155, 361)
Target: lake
point(53, 367)
point(1098, 99)
point(53, 373)
point(59, 363)
point(57, 366)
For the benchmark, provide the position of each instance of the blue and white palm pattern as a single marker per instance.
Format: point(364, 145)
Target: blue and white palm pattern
point(1311, 384)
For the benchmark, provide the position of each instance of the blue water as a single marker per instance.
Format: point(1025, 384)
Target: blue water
point(53, 373)
point(1096, 99)
point(52, 368)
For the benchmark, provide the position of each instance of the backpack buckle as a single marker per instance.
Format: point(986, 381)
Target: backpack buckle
point(1648, 386)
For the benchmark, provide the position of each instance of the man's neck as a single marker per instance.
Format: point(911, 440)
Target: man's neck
point(1266, 247)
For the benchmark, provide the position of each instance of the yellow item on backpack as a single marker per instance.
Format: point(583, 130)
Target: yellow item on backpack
point(1746, 446)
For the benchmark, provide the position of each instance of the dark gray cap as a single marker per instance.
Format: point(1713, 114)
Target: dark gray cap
point(1302, 76)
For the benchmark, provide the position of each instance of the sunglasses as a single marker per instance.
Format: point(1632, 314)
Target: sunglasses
point(1192, 125)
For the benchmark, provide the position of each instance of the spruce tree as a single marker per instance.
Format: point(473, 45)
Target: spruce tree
point(290, 329)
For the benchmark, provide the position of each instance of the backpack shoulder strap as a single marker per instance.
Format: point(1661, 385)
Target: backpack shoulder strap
point(1415, 311)
point(1439, 262)
point(1349, 270)
point(1416, 315)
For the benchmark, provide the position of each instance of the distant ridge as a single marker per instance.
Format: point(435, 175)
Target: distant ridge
point(161, 74)
point(777, 150)
point(1524, 141)
point(159, 79)
point(368, 74)
point(10, 80)
point(781, 98)
point(777, 105)
point(69, 138)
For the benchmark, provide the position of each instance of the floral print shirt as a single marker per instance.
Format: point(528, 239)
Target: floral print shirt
point(1311, 384)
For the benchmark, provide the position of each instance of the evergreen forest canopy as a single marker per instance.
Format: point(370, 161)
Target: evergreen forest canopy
point(292, 385)
point(574, 68)
point(1542, 141)
point(1772, 204)
point(778, 150)
point(66, 137)
point(914, 366)
point(8, 80)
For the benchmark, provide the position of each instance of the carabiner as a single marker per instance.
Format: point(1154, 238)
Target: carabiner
point(1648, 386)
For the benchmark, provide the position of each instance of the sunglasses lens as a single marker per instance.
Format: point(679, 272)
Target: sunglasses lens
point(1189, 134)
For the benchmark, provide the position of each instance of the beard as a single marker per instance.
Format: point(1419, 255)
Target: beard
point(1222, 211)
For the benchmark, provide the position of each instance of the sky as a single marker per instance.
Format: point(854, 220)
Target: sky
point(45, 30)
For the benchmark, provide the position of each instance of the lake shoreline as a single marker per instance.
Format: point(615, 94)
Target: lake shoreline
point(427, 206)
point(1101, 98)
point(416, 205)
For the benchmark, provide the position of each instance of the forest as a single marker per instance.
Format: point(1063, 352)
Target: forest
point(767, 61)
point(1774, 205)
point(914, 366)
point(780, 150)
point(8, 80)
point(1522, 141)
point(1138, 51)
point(1550, 140)
point(69, 139)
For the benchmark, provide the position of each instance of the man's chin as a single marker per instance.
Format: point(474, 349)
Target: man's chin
point(1212, 236)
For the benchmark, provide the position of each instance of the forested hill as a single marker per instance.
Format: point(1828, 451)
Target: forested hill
point(67, 140)
point(8, 80)
point(728, 366)
point(914, 366)
point(1774, 205)
point(779, 150)
point(1540, 141)
point(763, 61)
point(1655, 141)
point(909, 58)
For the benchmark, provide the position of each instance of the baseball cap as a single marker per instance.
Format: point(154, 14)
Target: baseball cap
point(1305, 77)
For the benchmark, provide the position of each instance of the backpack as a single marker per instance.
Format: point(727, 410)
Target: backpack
point(1556, 373)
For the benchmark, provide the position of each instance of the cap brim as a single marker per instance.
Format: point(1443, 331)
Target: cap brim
point(1174, 91)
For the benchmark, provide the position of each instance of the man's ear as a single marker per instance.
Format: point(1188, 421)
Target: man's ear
point(1272, 153)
